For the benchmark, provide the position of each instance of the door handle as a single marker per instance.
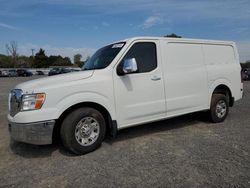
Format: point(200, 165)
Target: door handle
point(155, 78)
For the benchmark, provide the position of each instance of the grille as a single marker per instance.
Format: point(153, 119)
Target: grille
point(15, 101)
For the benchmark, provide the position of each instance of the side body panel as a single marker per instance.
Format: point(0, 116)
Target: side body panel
point(185, 77)
point(222, 63)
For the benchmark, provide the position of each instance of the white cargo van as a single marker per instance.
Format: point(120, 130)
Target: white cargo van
point(124, 84)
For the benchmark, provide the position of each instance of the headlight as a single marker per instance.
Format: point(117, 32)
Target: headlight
point(32, 101)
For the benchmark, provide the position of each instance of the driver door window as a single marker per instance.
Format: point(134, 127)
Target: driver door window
point(145, 55)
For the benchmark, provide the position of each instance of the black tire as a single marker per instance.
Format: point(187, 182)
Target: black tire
point(69, 125)
point(215, 115)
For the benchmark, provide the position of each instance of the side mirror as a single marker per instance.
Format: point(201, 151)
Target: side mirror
point(127, 66)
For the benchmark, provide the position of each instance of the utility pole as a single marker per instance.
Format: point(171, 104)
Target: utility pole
point(32, 50)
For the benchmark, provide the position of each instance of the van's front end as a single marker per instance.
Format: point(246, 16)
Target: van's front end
point(82, 101)
point(21, 124)
point(33, 106)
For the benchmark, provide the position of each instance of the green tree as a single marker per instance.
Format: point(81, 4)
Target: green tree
point(173, 35)
point(41, 60)
point(6, 61)
point(24, 62)
point(60, 61)
point(80, 63)
point(77, 58)
point(245, 65)
point(52, 59)
point(67, 61)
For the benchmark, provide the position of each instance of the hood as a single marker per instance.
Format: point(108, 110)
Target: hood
point(30, 86)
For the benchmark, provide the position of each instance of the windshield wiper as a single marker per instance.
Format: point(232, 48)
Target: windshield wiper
point(88, 69)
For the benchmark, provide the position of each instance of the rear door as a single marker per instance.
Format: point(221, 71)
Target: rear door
point(140, 96)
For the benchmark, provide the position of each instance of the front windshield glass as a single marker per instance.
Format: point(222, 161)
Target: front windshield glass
point(103, 57)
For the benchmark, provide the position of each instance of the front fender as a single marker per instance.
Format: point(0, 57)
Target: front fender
point(77, 98)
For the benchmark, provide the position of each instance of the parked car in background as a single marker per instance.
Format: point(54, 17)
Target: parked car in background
point(39, 72)
point(24, 72)
point(54, 71)
point(75, 69)
point(65, 70)
point(4, 73)
point(246, 74)
point(59, 70)
point(12, 73)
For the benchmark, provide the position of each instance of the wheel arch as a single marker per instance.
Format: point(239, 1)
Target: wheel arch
point(111, 124)
point(225, 90)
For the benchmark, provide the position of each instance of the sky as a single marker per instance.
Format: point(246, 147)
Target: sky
point(68, 27)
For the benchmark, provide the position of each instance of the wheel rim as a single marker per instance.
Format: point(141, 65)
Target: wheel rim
point(87, 131)
point(221, 109)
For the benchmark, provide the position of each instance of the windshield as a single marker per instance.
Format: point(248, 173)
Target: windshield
point(103, 57)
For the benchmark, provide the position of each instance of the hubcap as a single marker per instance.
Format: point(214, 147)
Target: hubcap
point(221, 109)
point(87, 131)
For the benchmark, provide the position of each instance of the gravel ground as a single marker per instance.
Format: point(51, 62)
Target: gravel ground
point(186, 151)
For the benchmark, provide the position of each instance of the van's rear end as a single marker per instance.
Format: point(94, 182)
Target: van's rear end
point(238, 94)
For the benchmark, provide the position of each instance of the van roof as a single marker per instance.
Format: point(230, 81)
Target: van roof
point(179, 40)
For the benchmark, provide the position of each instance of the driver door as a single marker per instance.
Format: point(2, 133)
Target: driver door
point(140, 96)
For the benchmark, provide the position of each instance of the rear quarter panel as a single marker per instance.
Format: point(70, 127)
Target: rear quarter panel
point(223, 68)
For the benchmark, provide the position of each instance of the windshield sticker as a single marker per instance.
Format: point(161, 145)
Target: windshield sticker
point(119, 45)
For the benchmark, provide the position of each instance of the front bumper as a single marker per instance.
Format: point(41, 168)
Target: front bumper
point(38, 133)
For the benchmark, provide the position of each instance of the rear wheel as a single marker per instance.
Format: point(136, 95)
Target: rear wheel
point(83, 130)
point(219, 108)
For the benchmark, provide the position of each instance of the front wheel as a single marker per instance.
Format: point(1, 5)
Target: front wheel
point(83, 130)
point(219, 108)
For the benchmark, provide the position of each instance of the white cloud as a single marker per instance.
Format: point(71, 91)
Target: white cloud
point(105, 24)
point(181, 9)
point(7, 26)
point(152, 21)
point(96, 27)
point(241, 30)
point(194, 9)
point(50, 50)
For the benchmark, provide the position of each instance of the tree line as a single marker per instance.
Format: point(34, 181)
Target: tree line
point(245, 65)
point(39, 60)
